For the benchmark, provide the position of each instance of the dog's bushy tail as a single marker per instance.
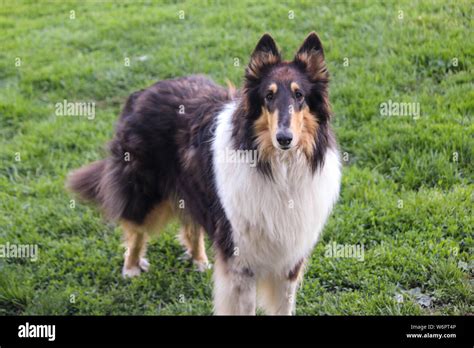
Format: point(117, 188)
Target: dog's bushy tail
point(111, 184)
point(120, 188)
point(85, 181)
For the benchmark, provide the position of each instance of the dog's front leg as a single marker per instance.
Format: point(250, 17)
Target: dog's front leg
point(277, 293)
point(234, 288)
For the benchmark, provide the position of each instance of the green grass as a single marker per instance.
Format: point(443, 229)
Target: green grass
point(407, 192)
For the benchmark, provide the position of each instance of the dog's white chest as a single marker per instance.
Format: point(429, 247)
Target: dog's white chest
point(275, 223)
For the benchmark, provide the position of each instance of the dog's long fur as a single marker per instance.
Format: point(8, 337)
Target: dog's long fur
point(168, 158)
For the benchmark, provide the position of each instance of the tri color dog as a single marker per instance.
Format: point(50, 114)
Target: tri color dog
point(170, 157)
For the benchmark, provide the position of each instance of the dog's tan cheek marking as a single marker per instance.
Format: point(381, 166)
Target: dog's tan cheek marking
point(273, 121)
point(265, 127)
point(309, 127)
point(296, 125)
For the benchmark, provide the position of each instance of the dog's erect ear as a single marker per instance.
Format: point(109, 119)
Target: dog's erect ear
point(310, 57)
point(265, 54)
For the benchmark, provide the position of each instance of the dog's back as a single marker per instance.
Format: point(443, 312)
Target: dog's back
point(158, 128)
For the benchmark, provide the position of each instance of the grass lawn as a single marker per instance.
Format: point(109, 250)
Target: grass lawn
point(407, 192)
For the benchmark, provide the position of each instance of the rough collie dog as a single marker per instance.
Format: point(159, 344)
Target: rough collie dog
point(184, 147)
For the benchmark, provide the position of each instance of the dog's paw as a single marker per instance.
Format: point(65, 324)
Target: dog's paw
point(131, 272)
point(202, 266)
point(144, 264)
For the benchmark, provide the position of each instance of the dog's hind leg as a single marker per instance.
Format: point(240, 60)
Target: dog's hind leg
point(136, 236)
point(135, 242)
point(192, 238)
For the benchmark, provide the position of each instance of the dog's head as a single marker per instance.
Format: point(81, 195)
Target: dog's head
point(287, 101)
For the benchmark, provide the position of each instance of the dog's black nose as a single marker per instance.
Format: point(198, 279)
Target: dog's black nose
point(284, 138)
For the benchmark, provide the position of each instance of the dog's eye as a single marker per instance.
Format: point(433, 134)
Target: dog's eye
point(269, 96)
point(298, 95)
